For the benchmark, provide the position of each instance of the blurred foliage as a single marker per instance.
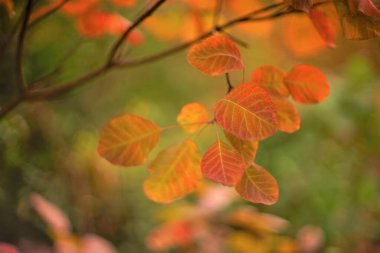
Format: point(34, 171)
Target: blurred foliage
point(328, 172)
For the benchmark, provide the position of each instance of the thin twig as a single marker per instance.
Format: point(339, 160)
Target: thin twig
point(47, 14)
point(125, 35)
point(217, 12)
point(20, 47)
point(230, 87)
point(236, 39)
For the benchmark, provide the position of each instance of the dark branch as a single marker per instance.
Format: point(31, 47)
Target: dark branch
point(230, 87)
point(47, 14)
point(20, 47)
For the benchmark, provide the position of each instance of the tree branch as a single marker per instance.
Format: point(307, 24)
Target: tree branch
point(47, 14)
point(125, 35)
point(38, 94)
point(20, 47)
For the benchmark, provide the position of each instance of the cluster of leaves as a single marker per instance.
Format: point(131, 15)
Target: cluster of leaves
point(208, 227)
point(248, 114)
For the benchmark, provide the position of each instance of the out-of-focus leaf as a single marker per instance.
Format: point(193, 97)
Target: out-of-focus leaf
point(307, 85)
point(258, 186)
point(310, 239)
point(174, 173)
point(368, 8)
point(247, 149)
point(289, 120)
point(8, 4)
point(300, 36)
point(127, 140)
point(171, 235)
point(96, 23)
point(324, 26)
point(192, 117)
point(7, 248)
point(247, 112)
point(92, 243)
point(215, 55)
point(270, 78)
point(51, 214)
point(223, 164)
point(78, 7)
point(356, 25)
point(124, 3)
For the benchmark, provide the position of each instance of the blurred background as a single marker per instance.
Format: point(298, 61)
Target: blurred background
point(328, 171)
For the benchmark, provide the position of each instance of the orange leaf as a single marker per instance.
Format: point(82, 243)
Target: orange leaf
point(247, 112)
point(127, 140)
point(356, 25)
point(51, 214)
point(170, 235)
point(174, 173)
point(43, 10)
point(78, 7)
point(124, 3)
point(192, 117)
point(301, 37)
point(270, 78)
point(307, 85)
point(215, 55)
point(258, 186)
point(223, 164)
point(247, 149)
point(324, 26)
point(8, 4)
point(289, 120)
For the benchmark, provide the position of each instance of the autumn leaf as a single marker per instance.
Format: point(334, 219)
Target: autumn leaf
point(368, 7)
point(356, 25)
point(270, 78)
point(247, 149)
point(8, 248)
point(170, 235)
point(258, 186)
point(124, 3)
point(192, 117)
point(289, 120)
point(247, 112)
point(324, 26)
point(223, 164)
point(8, 4)
point(307, 85)
point(78, 7)
point(127, 140)
point(174, 173)
point(53, 216)
point(215, 55)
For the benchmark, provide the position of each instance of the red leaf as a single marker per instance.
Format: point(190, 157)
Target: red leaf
point(247, 112)
point(247, 149)
point(223, 164)
point(127, 140)
point(174, 173)
point(324, 26)
point(215, 55)
point(289, 120)
point(258, 186)
point(307, 85)
point(170, 235)
point(368, 8)
point(192, 117)
point(270, 78)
